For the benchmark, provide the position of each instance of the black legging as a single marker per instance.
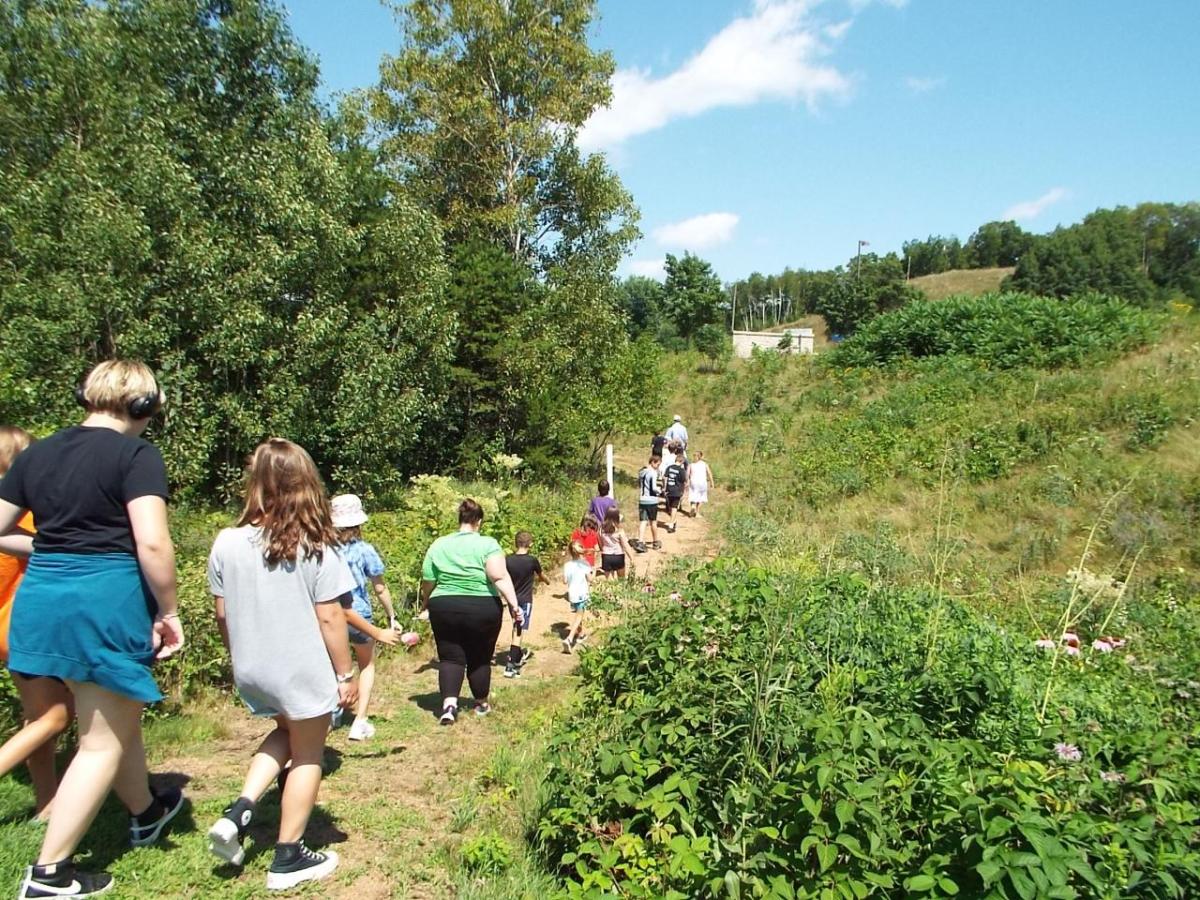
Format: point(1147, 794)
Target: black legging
point(465, 629)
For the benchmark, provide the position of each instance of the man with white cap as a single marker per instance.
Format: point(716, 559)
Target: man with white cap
point(677, 432)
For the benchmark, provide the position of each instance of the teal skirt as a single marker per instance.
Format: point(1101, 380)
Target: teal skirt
point(85, 617)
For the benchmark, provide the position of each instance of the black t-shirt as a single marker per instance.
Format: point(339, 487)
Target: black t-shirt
point(674, 478)
point(656, 445)
point(76, 483)
point(522, 568)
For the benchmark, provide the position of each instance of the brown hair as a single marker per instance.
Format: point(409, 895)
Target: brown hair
point(346, 535)
point(612, 520)
point(524, 539)
point(286, 498)
point(12, 441)
point(469, 512)
point(603, 488)
point(589, 523)
point(576, 549)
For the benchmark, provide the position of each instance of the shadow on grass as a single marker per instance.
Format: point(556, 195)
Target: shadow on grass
point(322, 831)
point(430, 702)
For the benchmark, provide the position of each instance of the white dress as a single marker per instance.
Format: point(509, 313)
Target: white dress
point(698, 493)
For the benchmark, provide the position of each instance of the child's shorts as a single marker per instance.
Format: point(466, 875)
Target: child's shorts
point(358, 637)
point(612, 562)
point(648, 512)
point(578, 606)
point(526, 613)
point(673, 503)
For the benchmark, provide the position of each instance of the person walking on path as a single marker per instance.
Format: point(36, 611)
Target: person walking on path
point(463, 580)
point(648, 505)
point(602, 502)
point(614, 546)
point(700, 479)
point(523, 567)
point(46, 704)
point(675, 481)
point(578, 574)
point(678, 432)
point(367, 567)
point(96, 607)
point(279, 586)
point(588, 536)
point(658, 443)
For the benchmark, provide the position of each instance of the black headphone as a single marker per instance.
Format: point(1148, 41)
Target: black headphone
point(141, 407)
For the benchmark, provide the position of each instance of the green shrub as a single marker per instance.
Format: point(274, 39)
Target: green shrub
point(487, 855)
point(772, 736)
point(1004, 330)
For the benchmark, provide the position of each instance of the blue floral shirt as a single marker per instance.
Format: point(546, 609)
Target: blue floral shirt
point(365, 563)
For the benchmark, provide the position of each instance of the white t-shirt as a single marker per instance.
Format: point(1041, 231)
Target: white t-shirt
point(699, 474)
point(576, 572)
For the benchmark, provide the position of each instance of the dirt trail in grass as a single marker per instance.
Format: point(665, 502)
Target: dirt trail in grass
point(397, 807)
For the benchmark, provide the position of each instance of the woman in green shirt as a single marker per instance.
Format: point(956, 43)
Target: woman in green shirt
point(463, 580)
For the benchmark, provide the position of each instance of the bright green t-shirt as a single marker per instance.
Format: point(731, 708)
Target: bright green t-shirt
point(456, 563)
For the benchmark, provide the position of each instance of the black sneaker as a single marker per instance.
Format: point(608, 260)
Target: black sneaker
point(227, 833)
point(657, 545)
point(511, 671)
point(295, 864)
point(449, 714)
point(147, 827)
point(62, 880)
point(638, 546)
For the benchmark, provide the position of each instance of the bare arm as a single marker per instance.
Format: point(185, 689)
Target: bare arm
point(10, 514)
point(19, 545)
point(542, 577)
point(426, 589)
point(383, 635)
point(385, 596)
point(497, 573)
point(222, 625)
point(332, 620)
point(156, 558)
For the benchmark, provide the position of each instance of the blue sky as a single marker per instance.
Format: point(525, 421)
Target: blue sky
point(769, 133)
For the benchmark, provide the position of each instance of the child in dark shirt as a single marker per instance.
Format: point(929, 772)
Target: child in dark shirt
point(523, 567)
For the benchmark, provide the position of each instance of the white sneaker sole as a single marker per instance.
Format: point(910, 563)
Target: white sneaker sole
point(147, 839)
point(224, 844)
point(281, 881)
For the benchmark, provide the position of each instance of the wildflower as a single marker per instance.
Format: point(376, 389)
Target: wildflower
point(1071, 650)
point(1070, 638)
point(711, 649)
point(675, 596)
point(1045, 644)
point(1068, 752)
point(1112, 777)
point(1102, 645)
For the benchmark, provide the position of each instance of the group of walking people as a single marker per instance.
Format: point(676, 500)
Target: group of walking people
point(88, 604)
point(667, 477)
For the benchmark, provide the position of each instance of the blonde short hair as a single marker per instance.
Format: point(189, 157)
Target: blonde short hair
point(12, 441)
point(111, 386)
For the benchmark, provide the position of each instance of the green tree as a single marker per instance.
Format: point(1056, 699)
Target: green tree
point(713, 341)
point(641, 299)
point(933, 255)
point(479, 113)
point(996, 244)
point(169, 190)
point(867, 286)
point(692, 293)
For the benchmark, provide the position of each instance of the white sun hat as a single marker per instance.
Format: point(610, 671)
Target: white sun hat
point(347, 511)
point(678, 418)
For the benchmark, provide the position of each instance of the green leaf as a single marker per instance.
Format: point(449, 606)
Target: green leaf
point(920, 883)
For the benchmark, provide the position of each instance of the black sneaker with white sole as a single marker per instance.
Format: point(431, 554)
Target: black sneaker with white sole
point(227, 833)
point(61, 879)
point(147, 827)
point(449, 714)
point(295, 864)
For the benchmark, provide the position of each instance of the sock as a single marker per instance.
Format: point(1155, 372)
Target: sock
point(450, 703)
point(514, 655)
point(241, 812)
point(53, 873)
point(151, 812)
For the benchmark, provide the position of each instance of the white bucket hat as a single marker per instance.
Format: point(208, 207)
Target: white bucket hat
point(678, 419)
point(347, 511)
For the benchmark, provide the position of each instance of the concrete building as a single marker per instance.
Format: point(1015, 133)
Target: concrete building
point(744, 342)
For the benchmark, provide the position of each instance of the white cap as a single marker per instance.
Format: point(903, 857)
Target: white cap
point(678, 419)
point(347, 511)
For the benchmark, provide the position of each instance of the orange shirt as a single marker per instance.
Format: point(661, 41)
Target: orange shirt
point(11, 570)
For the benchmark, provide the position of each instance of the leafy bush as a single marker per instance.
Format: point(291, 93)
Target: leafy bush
point(775, 736)
point(1004, 330)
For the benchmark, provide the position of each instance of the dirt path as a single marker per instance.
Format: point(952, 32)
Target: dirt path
point(396, 807)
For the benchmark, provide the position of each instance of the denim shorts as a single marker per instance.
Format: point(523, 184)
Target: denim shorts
point(579, 606)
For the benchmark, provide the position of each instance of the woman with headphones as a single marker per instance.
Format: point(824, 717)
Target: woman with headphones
point(96, 607)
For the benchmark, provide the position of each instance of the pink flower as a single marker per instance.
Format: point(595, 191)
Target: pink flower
point(1071, 638)
point(1102, 645)
point(1071, 650)
point(711, 649)
point(1112, 777)
point(1045, 644)
point(1068, 752)
point(410, 639)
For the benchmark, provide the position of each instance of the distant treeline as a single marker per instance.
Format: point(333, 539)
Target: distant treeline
point(1146, 255)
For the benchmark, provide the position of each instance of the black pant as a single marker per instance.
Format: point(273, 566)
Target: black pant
point(465, 629)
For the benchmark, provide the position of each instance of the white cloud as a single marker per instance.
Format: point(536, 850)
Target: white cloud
point(922, 84)
point(698, 232)
point(837, 30)
point(649, 268)
point(771, 54)
point(1031, 209)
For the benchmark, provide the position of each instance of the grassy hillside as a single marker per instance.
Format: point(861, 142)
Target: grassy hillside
point(961, 281)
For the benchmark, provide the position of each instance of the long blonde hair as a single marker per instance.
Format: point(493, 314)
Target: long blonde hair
point(12, 441)
point(286, 498)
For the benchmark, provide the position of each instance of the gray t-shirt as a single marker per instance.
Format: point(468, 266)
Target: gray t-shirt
point(280, 664)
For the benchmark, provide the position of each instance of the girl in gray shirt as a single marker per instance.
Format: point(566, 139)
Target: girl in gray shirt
point(279, 587)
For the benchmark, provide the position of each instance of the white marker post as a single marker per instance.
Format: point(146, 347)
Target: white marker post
point(612, 485)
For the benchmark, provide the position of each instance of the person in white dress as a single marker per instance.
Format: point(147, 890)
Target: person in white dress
point(700, 479)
